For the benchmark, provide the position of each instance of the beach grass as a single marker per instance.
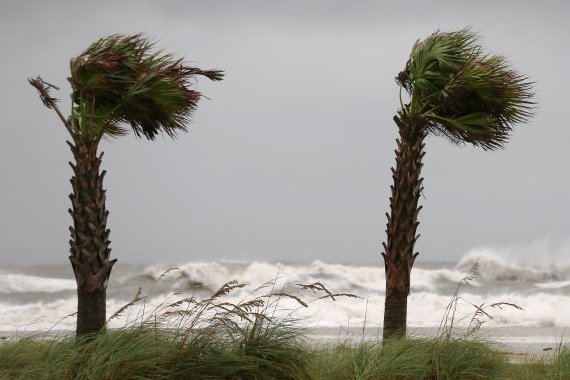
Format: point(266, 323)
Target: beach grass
point(412, 358)
point(272, 353)
point(147, 353)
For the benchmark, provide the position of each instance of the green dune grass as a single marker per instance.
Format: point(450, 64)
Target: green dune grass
point(264, 351)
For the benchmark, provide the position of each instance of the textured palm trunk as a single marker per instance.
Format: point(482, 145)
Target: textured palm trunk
point(89, 238)
point(402, 224)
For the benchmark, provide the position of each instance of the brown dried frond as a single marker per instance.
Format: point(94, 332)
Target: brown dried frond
point(214, 75)
point(480, 311)
point(226, 305)
point(474, 326)
point(500, 305)
point(317, 286)
point(473, 273)
point(252, 304)
point(265, 285)
point(116, 314)
point(288, 295)
point(233, 310)
point(333, 295)
point(168, 271)
point(188, 300)
point(43, 89)
point(227, 288)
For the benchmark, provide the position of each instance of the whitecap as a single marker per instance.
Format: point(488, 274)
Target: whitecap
point(552, 284)
point(20, 283)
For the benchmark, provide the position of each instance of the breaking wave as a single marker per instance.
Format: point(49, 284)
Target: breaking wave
point(21, 283)
point(544, 260)
point(535, 276)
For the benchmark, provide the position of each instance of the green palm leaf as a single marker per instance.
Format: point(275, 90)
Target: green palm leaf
point(462, 93)
point(118, 80)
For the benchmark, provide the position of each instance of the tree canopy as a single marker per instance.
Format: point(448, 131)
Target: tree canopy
point(461, 92)
point(120, 80)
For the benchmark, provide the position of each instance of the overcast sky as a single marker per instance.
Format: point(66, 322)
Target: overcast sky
point(289, 159)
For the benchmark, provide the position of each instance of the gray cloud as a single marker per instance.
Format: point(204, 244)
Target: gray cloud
point(290, 158)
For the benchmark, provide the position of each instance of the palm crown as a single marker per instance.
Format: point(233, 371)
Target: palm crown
point(118, 79)
point(462, 93)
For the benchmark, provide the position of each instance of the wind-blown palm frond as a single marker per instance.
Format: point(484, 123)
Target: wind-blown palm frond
point(118, 79)
point(462, 93)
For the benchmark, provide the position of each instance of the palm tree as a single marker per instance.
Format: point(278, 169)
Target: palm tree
point(117, 82)
point(456, 91)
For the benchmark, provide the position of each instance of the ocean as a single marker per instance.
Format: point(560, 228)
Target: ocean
point(41, 298)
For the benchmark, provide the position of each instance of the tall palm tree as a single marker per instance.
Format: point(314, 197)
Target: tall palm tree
point(456, 91)
point(116, 82)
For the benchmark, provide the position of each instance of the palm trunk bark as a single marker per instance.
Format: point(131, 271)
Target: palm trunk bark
point(402, 224)
point(89, 237)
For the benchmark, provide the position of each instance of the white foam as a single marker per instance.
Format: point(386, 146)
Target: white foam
point(19, 283)
point(553, 285)
point(543, 260)
point(425, 309)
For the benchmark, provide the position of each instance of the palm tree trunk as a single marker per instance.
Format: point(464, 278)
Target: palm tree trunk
point(89, 237)
point(402, 224)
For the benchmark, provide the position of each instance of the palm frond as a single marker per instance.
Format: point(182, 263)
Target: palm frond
point(119, 79)
point(432, 60)
point(462, 93)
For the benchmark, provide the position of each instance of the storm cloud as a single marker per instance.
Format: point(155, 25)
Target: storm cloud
point(289, 157)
